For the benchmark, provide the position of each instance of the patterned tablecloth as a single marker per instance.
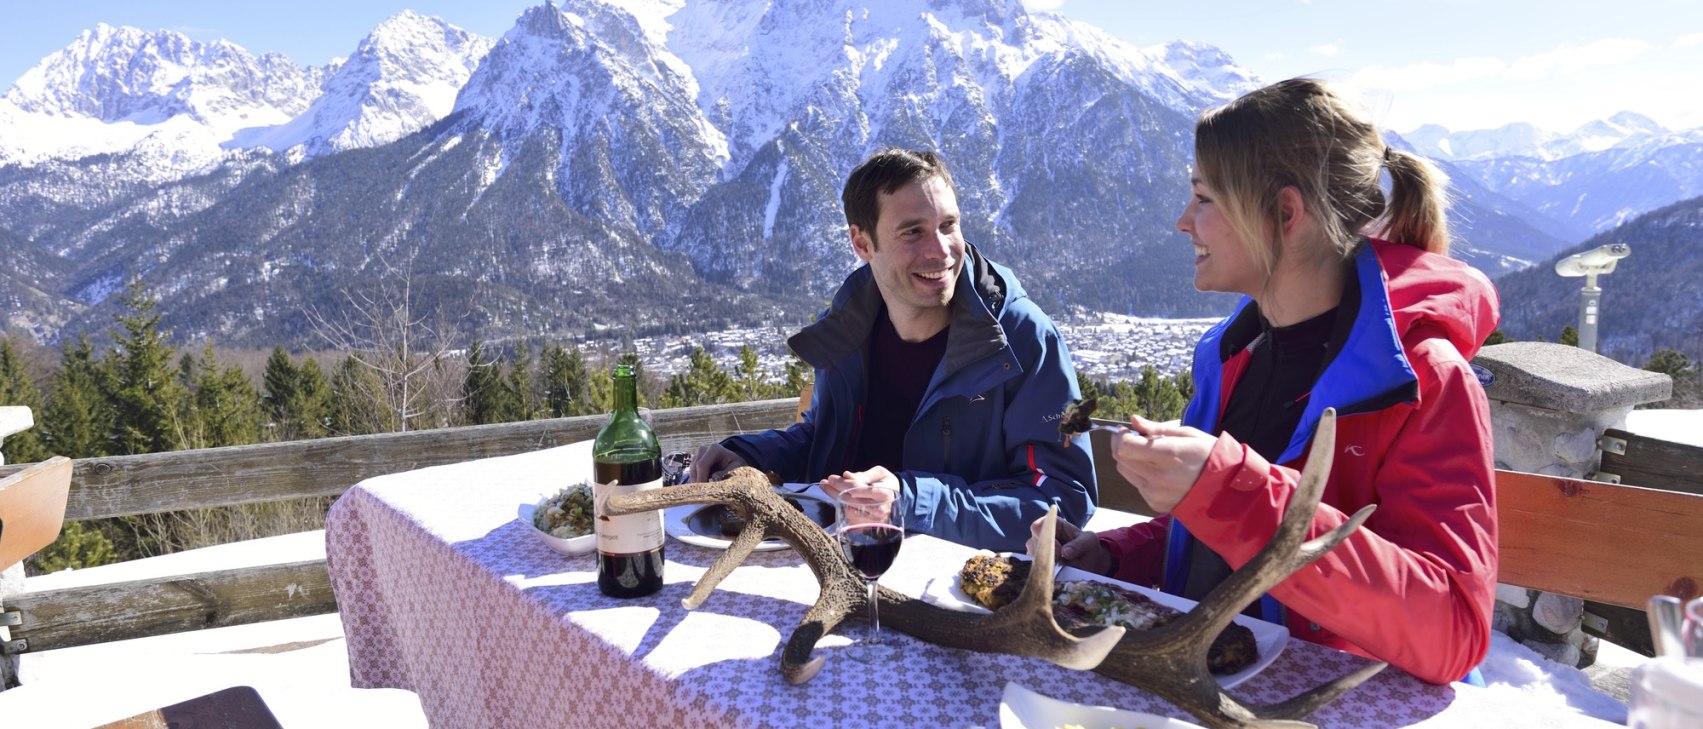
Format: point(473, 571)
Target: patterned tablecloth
point(443, 591)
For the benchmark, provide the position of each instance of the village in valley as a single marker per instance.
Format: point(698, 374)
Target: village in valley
point(1109, 347)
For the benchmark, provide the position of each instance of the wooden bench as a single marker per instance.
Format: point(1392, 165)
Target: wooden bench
point(32, 508)
point(1613, 545)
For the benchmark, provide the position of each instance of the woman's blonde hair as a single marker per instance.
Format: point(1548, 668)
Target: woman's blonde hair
point(1299, 133)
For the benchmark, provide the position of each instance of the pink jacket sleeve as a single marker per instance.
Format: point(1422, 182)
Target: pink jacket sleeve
point(1138, 551)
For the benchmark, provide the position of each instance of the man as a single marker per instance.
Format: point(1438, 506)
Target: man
point(935, 375)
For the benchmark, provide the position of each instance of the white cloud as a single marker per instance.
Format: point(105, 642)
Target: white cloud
point(1047, 5)
point(1687, 41)
point(1328, 50)
point(1605, 52)
point(1430, 75)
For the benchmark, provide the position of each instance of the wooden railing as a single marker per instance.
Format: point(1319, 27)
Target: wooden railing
point(162, 482)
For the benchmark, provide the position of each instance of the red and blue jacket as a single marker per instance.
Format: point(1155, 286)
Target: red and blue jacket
point(982, 456)
point(1415, 586)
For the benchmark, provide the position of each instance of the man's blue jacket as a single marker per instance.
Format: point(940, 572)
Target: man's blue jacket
point(983, 457)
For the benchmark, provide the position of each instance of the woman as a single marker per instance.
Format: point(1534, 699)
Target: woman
point(1285, 192)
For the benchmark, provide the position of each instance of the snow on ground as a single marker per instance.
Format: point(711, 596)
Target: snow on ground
point(1679, 426)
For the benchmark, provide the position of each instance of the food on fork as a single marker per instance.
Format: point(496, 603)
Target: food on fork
point(1076, 417)
point(995, 581)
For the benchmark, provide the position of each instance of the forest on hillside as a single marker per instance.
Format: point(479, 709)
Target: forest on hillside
point(389, 373)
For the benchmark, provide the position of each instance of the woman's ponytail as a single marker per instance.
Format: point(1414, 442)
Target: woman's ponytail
point(1417, 214)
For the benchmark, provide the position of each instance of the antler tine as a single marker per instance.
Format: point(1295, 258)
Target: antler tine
point(1285, 553)
point(1307, 702)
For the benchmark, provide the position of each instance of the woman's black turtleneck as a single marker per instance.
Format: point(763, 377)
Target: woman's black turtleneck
point(1269, 398)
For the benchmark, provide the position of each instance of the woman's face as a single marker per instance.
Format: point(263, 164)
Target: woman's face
point(1221, 261)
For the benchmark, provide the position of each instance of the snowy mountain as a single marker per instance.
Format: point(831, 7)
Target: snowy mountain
point(610, 166)
point(402, 77)
point(1624, 130)
point(1589, 180)
point(123, 90)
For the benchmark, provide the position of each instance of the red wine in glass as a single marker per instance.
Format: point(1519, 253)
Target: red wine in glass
point(872, 547)
point(871, 527)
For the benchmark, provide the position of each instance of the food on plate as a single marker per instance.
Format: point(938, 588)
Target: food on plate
point(994, 582)
point(567, 514)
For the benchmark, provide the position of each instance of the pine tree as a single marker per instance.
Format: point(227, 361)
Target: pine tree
point(523, 400)
point(749, 377)
point(357, 399)
point(1569, 336)
point(1158, 397)
point(225, 408)
point(798, 374)
point(280, 379)
point(146, 395)
point(16, 388)
point(78, 420)
point(703, 383)
point(482, 389)
point(555, 381)
point(310, 412)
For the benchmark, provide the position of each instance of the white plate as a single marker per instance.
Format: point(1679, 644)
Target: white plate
point(674, 522)
point(573, 547)
point(1021, 708)
point(1270, 637)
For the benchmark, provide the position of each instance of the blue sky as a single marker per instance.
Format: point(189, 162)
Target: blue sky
point(1466, 64)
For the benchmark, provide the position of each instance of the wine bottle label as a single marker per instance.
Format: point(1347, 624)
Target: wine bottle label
point(631, 533)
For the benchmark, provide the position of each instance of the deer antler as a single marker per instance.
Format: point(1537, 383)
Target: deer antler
point(1170, 660)
point(844, 593)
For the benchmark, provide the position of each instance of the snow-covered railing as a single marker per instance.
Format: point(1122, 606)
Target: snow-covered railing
point(160, 482)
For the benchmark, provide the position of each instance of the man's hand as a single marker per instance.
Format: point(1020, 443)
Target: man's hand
point(877, 476)
point(714, 460)
point(1162, 461)
point(1075, 547)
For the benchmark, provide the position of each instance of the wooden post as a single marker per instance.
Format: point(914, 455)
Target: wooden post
point(13, 419)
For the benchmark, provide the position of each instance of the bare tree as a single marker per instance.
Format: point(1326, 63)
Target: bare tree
point(418, 382)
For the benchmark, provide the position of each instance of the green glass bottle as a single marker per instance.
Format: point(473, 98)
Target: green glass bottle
point(627, 458)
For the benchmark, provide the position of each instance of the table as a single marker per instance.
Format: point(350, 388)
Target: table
point(443, 592)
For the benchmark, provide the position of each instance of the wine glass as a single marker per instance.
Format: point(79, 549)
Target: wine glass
point(1691, 632)
point(870, 528)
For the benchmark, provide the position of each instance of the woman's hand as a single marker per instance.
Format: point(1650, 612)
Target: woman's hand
point(1162, 461)
point(1075, 548)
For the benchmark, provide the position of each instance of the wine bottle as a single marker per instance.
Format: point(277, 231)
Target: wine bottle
point(627, 458)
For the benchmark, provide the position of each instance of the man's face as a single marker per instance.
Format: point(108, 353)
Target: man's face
point(916, 252)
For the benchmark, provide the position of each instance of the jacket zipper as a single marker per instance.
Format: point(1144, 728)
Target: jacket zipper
point(945, 441)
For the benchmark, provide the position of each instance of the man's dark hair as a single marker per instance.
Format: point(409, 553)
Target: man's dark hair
point(884, 173)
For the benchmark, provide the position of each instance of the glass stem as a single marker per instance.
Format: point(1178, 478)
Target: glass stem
point(874, 616)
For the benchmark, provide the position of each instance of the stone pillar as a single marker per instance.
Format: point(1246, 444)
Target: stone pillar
point(1549, 404)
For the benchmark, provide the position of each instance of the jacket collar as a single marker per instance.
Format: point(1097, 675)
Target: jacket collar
point(982, 292)
point(1369, 370)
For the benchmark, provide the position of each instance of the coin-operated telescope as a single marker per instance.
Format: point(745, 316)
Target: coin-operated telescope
point(1591, 264)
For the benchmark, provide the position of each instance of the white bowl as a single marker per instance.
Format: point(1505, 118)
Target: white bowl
point(572, 547)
